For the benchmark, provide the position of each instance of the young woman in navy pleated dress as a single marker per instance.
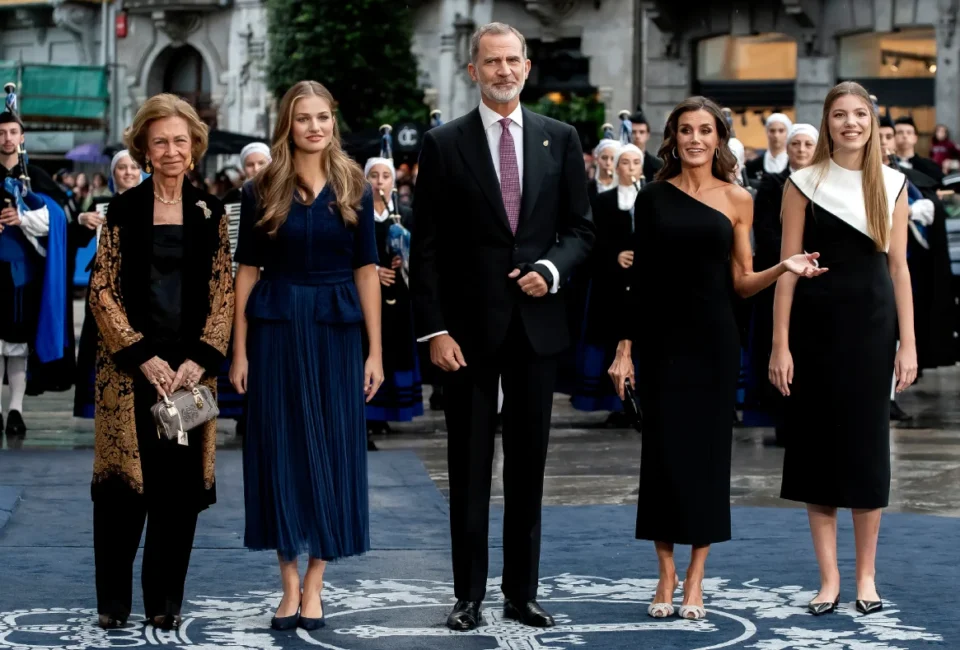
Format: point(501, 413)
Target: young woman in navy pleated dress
point(307, 289)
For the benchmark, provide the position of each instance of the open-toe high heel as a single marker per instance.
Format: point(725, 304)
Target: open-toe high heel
point(693, 612)
point(665, 609)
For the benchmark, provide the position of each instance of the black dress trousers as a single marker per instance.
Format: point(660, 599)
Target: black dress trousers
point(471, 416)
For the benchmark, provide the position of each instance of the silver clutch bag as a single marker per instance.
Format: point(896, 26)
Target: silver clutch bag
point(184, 411)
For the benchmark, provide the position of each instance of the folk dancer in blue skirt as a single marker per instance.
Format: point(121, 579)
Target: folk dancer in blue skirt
point(400, 399)
point(307, 222)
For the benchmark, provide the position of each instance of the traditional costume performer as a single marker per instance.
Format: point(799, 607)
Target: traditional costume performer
point(613, 215)
point(230, 402)
point(769, 163)
point(83, 396)
point(33, 277)
point(400, 398)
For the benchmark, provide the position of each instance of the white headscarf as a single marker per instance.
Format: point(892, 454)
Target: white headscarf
point(604, 144)
point(386, 162)
point(803, 129)
point(379, 161)
point(776, 164)
point(117, 157)
point(254, 147)
point(626, 194)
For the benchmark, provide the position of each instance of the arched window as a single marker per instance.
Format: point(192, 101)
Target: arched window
point(183, 72)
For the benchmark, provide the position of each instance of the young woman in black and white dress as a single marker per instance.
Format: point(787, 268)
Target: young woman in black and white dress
point(835, 337)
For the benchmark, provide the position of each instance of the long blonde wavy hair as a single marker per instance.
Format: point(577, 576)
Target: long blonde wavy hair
point(874, 189)
point(278, 181)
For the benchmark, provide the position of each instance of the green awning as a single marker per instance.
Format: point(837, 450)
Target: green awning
point(58, 94)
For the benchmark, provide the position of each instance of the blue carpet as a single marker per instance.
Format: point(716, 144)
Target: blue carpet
point(595, 578)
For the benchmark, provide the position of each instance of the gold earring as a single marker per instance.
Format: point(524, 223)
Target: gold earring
point(191, 165)
point(148, 167)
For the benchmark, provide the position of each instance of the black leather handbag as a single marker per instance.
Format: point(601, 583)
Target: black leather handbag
point(631, 406)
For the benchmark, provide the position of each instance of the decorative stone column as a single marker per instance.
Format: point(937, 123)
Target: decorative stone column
point(667, 79)
point(948, 67)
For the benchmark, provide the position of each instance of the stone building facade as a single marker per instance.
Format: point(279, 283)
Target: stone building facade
point(905, 51)
point(212, 52)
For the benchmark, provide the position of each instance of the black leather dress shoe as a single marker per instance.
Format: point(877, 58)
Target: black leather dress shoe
point(465, 615)
point(108, 622)
point(528, 613)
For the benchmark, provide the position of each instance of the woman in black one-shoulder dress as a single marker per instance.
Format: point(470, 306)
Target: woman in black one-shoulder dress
point(835, 339)
point(692, 228)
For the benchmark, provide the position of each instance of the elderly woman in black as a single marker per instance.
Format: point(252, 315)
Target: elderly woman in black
point(161, 292)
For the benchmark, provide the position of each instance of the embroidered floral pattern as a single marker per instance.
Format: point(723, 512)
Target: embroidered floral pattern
point(116, 451)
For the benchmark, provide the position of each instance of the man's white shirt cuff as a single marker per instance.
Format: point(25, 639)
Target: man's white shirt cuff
point(424, 339)
point(555, 285)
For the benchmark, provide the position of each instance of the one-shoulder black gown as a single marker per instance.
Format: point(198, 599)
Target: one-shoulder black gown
point(687, 348)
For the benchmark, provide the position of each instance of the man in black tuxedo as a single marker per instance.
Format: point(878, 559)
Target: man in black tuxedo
point(640, 134)
point(501, 219)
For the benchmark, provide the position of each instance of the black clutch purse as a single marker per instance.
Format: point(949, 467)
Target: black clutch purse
point(631, 406)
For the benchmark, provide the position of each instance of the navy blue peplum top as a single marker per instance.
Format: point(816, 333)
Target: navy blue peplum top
point(313, 248)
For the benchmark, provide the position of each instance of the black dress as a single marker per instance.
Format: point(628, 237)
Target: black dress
point(843, 332)
point(687, 347)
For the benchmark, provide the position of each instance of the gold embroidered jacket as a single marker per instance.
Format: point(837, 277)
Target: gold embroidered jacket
point(119, 300)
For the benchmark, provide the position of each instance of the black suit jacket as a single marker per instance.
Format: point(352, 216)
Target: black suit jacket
point(651, 165)
point(462, 249)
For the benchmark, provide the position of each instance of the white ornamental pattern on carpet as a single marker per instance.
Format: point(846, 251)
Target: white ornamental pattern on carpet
point(747, 615)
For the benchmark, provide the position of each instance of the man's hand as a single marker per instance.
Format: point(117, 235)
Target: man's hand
point(396, 262)
point(531, 284)
point(9, 217)
point(445, 353)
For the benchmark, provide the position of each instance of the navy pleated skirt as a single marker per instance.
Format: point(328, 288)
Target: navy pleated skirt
point(305, 458)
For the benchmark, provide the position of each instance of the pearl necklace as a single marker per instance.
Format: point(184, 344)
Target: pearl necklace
point(165, 202)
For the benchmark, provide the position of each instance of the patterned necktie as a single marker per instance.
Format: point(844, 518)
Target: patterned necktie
point(509, 176)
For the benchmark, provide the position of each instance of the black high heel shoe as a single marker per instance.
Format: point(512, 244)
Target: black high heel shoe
point(284, 623)
point(869, 606)
point(312, 624)
point(819, 609)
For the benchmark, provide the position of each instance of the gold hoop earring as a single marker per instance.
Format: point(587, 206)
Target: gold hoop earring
point(716, 152)
point(191, 165)
point(148, 168)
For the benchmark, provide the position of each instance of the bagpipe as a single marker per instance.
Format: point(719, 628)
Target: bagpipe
point(22, 159)
point(398, 237)
point(626, 137)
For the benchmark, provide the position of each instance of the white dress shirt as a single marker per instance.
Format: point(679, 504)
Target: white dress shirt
point(493, 130)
